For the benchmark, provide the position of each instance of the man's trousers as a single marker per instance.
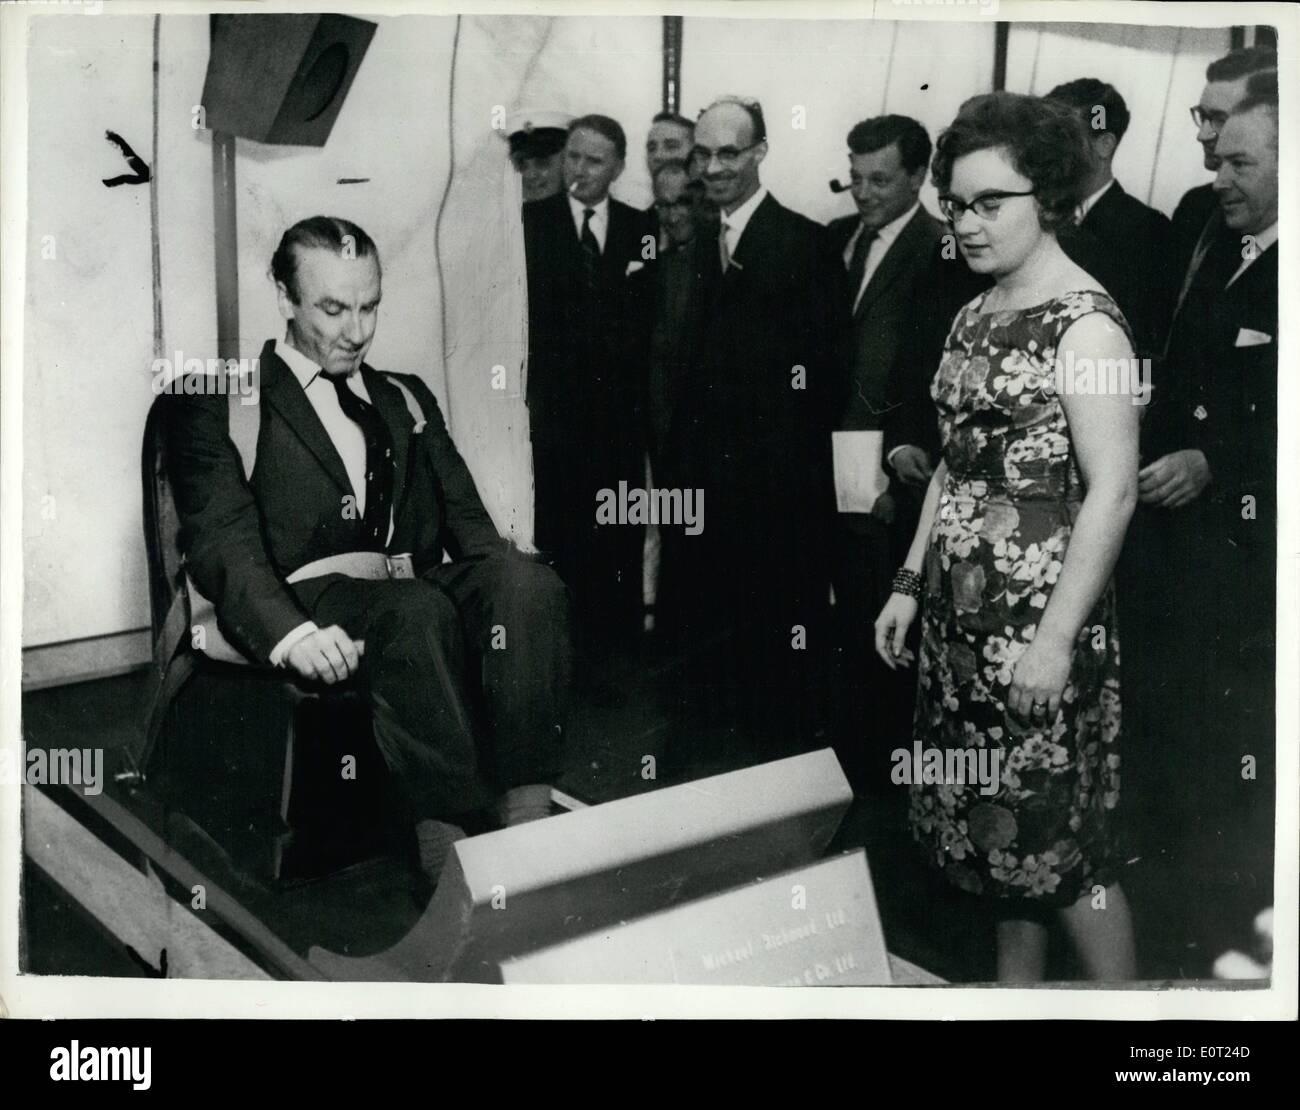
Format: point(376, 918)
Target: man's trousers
point(467, 670)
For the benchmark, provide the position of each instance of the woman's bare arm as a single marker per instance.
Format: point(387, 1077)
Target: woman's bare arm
point(1104, 429)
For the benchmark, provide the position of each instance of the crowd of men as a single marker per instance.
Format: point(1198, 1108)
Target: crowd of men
point(716, 341)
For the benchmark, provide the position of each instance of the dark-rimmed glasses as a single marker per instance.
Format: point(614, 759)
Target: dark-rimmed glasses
point(1201, 117)
point(985, 206)
point(728, 156)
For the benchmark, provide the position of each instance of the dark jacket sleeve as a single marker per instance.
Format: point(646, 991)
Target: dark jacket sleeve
point(221, 528)
point(469, 526)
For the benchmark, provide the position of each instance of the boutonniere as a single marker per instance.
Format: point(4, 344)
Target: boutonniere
point(633, 267)
point(1199, 412)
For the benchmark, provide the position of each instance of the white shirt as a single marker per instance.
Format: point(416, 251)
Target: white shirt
point(599, 218)
point(348, 441)
point(733, 225)
point(885, 237)
point(1263, 241)
point(1089, 201)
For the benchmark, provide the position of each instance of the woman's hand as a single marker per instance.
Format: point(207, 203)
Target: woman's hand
point(891, 630)
point(1036, 684)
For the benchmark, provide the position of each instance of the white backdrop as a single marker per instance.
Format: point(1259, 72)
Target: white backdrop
point(89, 315)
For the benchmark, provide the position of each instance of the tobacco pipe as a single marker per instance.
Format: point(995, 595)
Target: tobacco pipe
point(839, 186)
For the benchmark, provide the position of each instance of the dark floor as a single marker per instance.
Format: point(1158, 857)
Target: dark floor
point(622, 718)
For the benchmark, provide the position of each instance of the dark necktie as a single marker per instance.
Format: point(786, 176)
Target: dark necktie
point(590, 248)
point(379, 462)
point(858, 262)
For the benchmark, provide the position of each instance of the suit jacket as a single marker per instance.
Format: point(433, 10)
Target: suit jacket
point(1221, 391)
point(242, 538)
point(1134, 245)
point(1194, 209)
point(586, 361)
point(883, 316)
point(573, 336)
point(943, 288)
point(754, 429)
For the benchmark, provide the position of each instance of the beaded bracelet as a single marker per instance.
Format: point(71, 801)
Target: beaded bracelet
point(907, 582)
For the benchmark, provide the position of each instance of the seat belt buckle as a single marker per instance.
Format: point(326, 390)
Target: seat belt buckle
point(400, 566)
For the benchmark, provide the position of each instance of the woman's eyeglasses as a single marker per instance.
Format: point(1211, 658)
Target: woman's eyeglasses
point(986, 206)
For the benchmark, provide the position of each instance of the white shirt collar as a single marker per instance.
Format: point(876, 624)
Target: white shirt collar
point(1263, 241)
point(887, 233)
point(739, 219)
point(303, 368)
point(1267, 237)
point(1089, 201)
point(599, 210)
point(307, 371)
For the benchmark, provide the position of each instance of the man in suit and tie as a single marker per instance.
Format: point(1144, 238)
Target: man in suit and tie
point(1225, 85)
point(1212, 488)
point(885, 249)
point(1136, 242)
point(757, 408)
point(329, 560)
point(586, 379)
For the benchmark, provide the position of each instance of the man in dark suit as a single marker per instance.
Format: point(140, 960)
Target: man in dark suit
point(302, 560)
point(885, 249)
point(757, 409)
point(1211, 488)
point(586, 379)
point(1225, 85)
point(1136, 242)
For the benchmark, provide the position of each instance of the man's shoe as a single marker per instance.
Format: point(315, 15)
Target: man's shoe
point(524, 803)
point(434, 839)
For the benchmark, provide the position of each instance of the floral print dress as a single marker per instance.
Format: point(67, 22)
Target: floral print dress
point(998, 542)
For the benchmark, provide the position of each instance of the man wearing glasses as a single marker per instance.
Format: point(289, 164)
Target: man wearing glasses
point(759, 402)
point(1225, 79)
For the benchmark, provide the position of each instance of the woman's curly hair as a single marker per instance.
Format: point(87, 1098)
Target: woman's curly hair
point(1046, 142)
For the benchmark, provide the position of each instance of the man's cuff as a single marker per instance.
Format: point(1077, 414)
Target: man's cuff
point(281, 649)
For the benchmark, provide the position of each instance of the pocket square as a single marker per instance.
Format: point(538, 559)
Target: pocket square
point(1249, 337)
point(633, 267)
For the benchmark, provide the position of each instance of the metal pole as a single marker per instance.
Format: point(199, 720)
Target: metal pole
point(225, 243)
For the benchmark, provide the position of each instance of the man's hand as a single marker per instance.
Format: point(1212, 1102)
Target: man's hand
point(327, 655)
point(912, 464)
point(884, 509)
point(1174, 480)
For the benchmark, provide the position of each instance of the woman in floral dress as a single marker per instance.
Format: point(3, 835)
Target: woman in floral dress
point(1011, 564)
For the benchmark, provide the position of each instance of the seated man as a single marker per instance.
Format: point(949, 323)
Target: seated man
point(294, 559)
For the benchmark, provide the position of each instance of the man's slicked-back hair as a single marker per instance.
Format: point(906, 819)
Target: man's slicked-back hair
point(1241, 63)
point(332, 233)
point(752, 108)
point(609, 128)
point(875, 134)
point(1261, 92)
point(1086, 95)
point(1044, 140)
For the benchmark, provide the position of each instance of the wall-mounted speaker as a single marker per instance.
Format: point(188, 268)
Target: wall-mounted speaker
point(282, 78)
